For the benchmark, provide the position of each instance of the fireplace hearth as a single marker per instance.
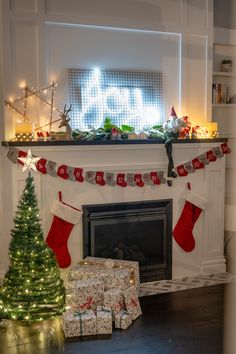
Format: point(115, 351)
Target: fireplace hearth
point(138, 231)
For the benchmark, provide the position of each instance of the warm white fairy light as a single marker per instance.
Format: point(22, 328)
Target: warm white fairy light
point(29, 94)
point(22, 84)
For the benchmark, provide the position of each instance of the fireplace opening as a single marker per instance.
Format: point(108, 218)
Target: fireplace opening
point(138, 231)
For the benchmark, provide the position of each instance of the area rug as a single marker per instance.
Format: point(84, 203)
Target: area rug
point(167, 286)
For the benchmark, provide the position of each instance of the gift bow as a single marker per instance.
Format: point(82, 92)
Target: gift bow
point(134, 302)
point(104, 309)
point(80, 315)
point(88, 303)
point(122, 314)
point(94, 263)
point(119, 305)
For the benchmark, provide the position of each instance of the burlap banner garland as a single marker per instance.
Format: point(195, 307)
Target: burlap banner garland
point(102, 178)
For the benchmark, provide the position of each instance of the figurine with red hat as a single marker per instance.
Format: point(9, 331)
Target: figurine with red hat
point(171, 131)
point(174, 124)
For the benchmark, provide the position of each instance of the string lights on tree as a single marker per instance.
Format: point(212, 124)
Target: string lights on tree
point(32, 288)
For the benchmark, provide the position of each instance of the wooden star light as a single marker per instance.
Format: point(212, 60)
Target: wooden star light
point(29, 162)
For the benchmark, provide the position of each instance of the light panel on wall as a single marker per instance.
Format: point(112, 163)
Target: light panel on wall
point(127, 97)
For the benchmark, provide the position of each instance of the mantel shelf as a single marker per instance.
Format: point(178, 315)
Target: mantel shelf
point(109, 142)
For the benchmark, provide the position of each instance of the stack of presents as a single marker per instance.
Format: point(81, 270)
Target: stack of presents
point(101, 293)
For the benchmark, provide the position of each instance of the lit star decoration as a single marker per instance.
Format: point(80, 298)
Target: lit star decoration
point(29, 162)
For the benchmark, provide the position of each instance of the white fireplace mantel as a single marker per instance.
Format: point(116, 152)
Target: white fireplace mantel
point(208, 255)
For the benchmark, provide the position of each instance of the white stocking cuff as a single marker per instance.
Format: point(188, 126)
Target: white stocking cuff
point(196, 199)
point(66, 212)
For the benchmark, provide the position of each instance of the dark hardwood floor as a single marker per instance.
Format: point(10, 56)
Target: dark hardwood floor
point(189, 321)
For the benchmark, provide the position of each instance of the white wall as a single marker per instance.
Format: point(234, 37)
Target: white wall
point(113, 49)
point(43, 38)
point(224, 14)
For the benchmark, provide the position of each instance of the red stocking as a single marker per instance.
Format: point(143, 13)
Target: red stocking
point(138, 179)
point(41, 166)
point(225, 149)
point(62, 172)
point(183, 231)
point(78, 172)
point(21, 154)
point(65, 217)
point(154, 178)
point(120, 180)
point(99, 177)
point(181, 171)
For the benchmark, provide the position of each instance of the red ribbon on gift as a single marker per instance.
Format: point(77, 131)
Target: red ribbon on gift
point(134, 303)
point(87, 305)
point(119, 305)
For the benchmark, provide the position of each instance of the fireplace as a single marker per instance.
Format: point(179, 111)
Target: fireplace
point(139, 231)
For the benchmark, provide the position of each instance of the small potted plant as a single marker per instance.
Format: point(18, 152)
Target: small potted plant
point(227, 65)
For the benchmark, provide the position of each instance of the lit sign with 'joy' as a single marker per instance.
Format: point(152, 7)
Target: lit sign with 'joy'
point(127, 97)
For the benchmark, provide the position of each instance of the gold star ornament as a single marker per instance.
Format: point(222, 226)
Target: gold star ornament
point(29, 162)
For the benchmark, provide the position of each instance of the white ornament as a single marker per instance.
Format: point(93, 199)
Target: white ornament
point(109, 263)
point(29, 162)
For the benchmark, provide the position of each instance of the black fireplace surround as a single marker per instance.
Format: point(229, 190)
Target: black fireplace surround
point(138, 231)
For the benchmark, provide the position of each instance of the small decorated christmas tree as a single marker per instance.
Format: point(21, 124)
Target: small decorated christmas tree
point(32, 289)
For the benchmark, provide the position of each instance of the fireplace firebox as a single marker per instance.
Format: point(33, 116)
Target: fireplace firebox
point(139, 231)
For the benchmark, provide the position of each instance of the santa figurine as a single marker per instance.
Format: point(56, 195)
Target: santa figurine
point(115, 134)
point(171, 131)
point(174, 124)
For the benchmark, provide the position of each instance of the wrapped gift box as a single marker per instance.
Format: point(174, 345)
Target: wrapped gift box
point(132, 266)
point(82, 272)
point(116, 278)
point(132, 302)
point(113, 278)
point(114, 298)
point(104, 320)
point(123, 319)
point(85, 294)
point(79, 323)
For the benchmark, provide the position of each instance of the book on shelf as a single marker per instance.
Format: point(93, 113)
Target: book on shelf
point(220, 93)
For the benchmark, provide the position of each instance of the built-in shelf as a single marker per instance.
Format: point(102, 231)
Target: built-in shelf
point(224, 74)
point(224, 105)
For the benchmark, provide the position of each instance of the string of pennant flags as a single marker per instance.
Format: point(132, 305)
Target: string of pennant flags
point(122, 179)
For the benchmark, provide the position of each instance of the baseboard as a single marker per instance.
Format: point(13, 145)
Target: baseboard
point(214, 266)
